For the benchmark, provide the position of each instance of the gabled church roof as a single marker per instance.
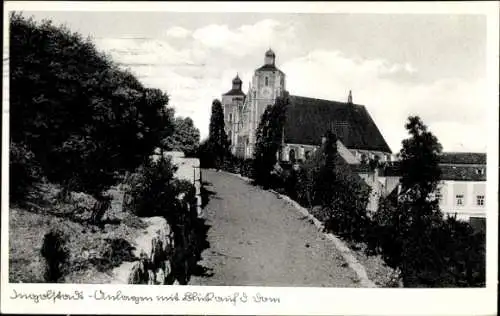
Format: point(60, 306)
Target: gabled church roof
point(309, 119)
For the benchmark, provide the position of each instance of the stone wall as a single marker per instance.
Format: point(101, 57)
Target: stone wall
point(155, 249)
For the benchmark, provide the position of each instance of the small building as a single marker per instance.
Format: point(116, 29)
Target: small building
point(462, 190)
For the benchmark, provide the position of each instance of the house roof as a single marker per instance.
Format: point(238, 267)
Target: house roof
point(309, 119)
point(463, 158)
point(463, 173)
point(449, 172)
point(342, 166)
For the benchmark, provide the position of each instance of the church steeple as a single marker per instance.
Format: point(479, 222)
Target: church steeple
point(237, 82)
point(270, 57)
point(349, 97)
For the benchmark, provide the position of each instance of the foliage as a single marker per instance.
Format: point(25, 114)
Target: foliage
point(85, 120)
point(25, 170)
point(185, 138)
point(411, 232)
point(269, 139)
point(218, 142)
point(419, 158)
point(152, 191)
point(326, 180)
point(205, 154)
point(56, 254)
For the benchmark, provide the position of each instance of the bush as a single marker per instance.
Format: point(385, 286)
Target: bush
point(326, 180)
point(205, 154)
point(152, 191)
point(24, 172)
point(448, 254)
point(247, 169)
point(85, 119)
point(56, 254)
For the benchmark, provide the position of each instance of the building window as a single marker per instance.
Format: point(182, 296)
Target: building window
point(480, 171)
point(267, 81)
point(439, 195)
point(255, 94)
point(230, 117)
point(480, 200)
point(291, 155)
point(460, 199)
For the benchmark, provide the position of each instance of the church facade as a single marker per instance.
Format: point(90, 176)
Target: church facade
point(307, 120)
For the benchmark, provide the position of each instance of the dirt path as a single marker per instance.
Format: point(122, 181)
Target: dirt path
point(257, 239)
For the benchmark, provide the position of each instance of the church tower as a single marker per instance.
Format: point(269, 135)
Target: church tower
point(268, 83)
point(232, 104)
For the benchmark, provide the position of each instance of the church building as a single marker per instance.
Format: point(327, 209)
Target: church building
point(307, 119)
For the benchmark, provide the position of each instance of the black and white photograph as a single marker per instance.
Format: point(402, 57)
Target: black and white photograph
point(254, 149)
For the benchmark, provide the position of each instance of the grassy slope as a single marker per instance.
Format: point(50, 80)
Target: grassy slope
point(94, 251)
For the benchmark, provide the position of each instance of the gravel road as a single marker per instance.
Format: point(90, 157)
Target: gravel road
point(257, 239)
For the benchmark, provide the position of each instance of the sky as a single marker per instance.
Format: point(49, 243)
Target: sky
point(396, 65)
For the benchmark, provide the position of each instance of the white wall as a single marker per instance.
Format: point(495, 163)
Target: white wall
point(470, 190)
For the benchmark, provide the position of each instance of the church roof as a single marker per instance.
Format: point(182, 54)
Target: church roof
point(235, 92)
point(237, 80)
point(309, 119)
point(269, 67)
point(270, 53)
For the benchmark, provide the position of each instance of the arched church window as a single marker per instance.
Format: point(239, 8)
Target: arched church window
point(266, 81)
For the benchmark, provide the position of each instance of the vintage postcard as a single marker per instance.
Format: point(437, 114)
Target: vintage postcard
point(262, 158)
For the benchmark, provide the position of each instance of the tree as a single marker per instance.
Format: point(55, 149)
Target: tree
point(417, 215)
point(217, 137)
point(327, 181)
point(269, 139)
point(185, 138)
point(84, 120)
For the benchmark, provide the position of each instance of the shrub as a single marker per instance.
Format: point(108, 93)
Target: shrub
point(152, 191)
point(326, 180)
point(56, 254)
point(24, 172)
point(205, 154)
point(85, 120)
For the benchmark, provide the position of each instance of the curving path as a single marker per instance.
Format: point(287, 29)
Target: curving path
point(258, 239)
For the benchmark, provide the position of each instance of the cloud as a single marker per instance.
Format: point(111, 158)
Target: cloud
point(200, 68)
point(454, 109)
point(177, 32)
point(247, 38)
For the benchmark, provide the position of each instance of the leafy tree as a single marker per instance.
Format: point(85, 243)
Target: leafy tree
point(269, 138)
point(186, 137)
point(217, 138)
point(85, 120)
point(326, 180)
point(417, 214)
point(411, 232)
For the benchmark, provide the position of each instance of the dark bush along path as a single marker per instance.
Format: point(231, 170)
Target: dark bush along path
point(256, 239)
